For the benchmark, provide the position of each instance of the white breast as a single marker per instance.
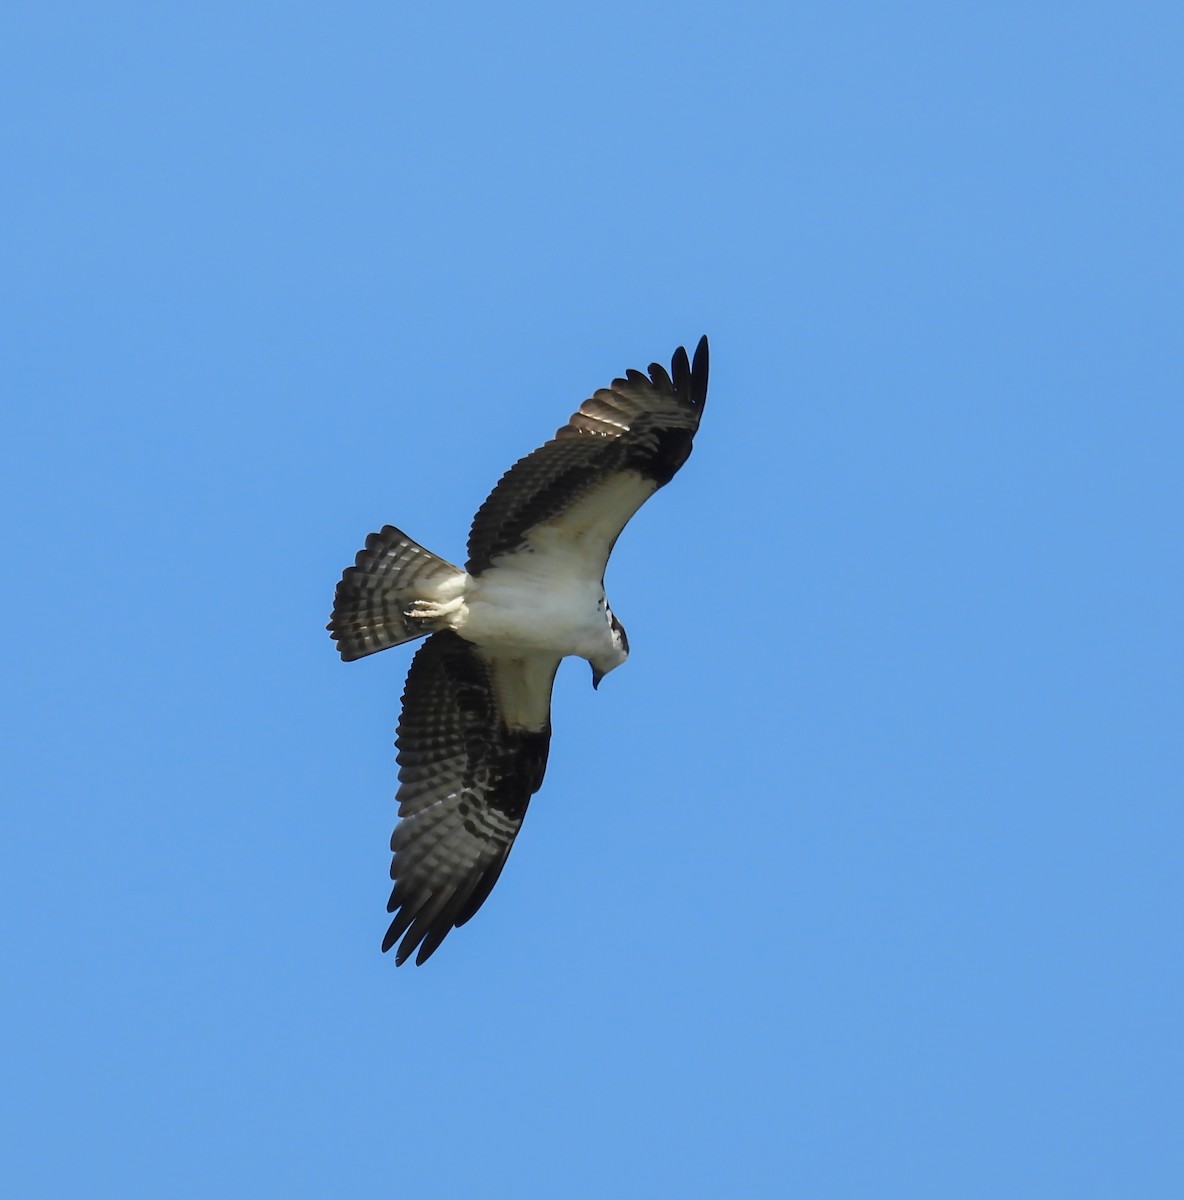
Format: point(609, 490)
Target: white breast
point(514, 605)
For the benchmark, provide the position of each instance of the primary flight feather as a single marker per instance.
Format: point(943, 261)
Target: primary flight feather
point(476, 722)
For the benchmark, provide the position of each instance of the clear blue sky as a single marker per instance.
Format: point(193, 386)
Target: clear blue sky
point(863, 878)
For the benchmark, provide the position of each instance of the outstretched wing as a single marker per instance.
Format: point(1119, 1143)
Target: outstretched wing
point(473, 740)
point(579, 489)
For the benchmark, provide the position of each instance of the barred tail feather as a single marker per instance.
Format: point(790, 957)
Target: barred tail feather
point(370, 607)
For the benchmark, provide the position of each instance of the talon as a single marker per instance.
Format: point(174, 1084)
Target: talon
point(430, 610)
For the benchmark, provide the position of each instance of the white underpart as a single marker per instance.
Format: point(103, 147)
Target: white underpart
point(522, 687)
point(548, 597)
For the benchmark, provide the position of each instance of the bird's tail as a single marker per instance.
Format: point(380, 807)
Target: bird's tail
point(397, 591)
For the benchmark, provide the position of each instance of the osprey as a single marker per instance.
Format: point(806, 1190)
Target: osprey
point(476, 723)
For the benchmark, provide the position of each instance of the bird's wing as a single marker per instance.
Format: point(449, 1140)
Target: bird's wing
point(579, 489)
point(473, 740)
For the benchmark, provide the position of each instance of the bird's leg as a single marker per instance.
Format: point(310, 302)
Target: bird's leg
point(432, 610)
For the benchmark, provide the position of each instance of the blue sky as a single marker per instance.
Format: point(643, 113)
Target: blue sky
point(862, 879)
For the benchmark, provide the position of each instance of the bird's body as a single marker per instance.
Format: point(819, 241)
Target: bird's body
point(476, 723)
point(521, 607)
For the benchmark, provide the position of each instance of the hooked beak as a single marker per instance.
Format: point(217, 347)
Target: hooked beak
point(597, 676)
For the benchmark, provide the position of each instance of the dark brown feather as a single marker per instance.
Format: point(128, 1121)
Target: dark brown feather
point(369, 608)
point(639, 423)
point(465, 782)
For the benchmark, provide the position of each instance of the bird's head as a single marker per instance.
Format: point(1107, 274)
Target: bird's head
point(616, 652)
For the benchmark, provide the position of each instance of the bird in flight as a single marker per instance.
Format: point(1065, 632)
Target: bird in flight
point(475, 728)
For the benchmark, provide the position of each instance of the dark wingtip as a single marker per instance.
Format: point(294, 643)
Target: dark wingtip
point(660, 379)
point(397, 930)
point(689, 378)
point(699, 371)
